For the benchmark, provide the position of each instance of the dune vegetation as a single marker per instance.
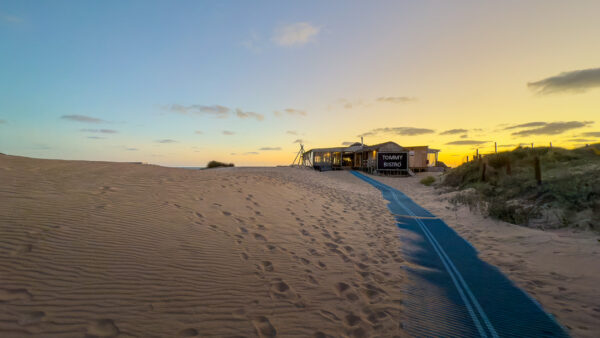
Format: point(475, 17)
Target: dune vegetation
point(565, 192)
point(217, 164)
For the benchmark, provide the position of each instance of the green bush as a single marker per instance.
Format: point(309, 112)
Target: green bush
point(217, 164)
point(429, 180)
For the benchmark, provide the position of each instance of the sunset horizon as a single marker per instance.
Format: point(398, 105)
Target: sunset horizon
point(218, 81)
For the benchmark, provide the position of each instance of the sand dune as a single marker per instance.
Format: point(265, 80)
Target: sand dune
point(109, 249)
point(115, 249)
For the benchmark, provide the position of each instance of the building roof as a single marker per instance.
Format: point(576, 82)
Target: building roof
point(359, 147)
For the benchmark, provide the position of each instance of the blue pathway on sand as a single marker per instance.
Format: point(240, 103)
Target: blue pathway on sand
point(449, 291)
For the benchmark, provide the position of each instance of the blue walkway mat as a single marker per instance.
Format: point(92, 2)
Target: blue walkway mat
point(449, 291)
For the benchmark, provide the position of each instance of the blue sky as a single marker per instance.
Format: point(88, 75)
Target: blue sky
point(154, 73)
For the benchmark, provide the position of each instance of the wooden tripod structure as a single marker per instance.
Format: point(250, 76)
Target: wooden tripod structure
point(299, 159)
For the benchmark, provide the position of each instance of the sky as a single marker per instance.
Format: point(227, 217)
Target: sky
point(180, 83)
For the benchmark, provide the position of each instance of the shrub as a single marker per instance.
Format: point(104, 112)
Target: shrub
point(429, 180)
point(217, 164)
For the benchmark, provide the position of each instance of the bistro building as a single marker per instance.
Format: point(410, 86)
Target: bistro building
point(386, 158)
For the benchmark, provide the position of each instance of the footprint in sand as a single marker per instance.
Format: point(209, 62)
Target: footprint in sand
point(191, 332)
point(32, 317)
point(103, 328)
point(226, 213)
point(345, 291)
point(7, 295)
point(264, 328)
point(352, 319)
point(259, 237)
point(267, 266)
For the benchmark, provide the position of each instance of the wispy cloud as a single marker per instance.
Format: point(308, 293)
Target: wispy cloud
point(102, 131)
point(453, 131)
point(244, 115)
point(290, 111)
point(82, 118)
point(298, 141)
point(403, 131)
point(131, 149)
point(2, 121)
point(253, 43)
point(506, 145)
point(214, 110)
point(464, 136)
point(251, 153)
point(526, 125)
point(198, 132)
point(166, 140)
point(577, 81)
point(10, 18)
point(581, 140)
point(96, 137)
point(227, 132)
point(295, 34)
point(292, 132)
point(397, 99)
point(592, 134)
point(466, 143)
point(270, 148)
point(552, 128)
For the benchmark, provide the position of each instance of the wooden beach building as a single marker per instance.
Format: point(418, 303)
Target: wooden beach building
point(388, 158)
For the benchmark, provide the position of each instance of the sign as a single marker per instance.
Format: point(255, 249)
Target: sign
point(392, 161)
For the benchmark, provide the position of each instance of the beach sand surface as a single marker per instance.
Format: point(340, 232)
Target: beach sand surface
point(116, 249)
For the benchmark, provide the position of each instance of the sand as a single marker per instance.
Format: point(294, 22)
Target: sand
point(116, 249)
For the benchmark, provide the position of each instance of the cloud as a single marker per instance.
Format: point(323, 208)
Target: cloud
point(592, 134)
point(577, 81)
point(214, 110)
point(227, 132)
point(2, 121)
point(243, 115)
point(103, 131)
point(553, 128)
point(198, 132)
point(403, 131)
point(397, 99)
point(526, 125)
point(253, 43)
point(166, 140)
point(10, 18)
point(131, 149)
point(506, 145)
point(292, 132)
point(298, 141)
point(270, 148)
point(290, 111)
point(82, 118)
point(464, 136)
point(453, 131)
point(466, 143)
point(295, 34)
point(251, 153)
point(96, 137)
point(581, 140)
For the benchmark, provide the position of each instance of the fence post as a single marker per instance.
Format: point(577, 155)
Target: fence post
point(538, 170)
point(496, 147)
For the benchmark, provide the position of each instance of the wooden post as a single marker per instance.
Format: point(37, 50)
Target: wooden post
point(483, 166)
point(538, 170)
point(467, 158)
point(477, 153)
point(550, 145)
point(496, 147)
point(531, 145)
